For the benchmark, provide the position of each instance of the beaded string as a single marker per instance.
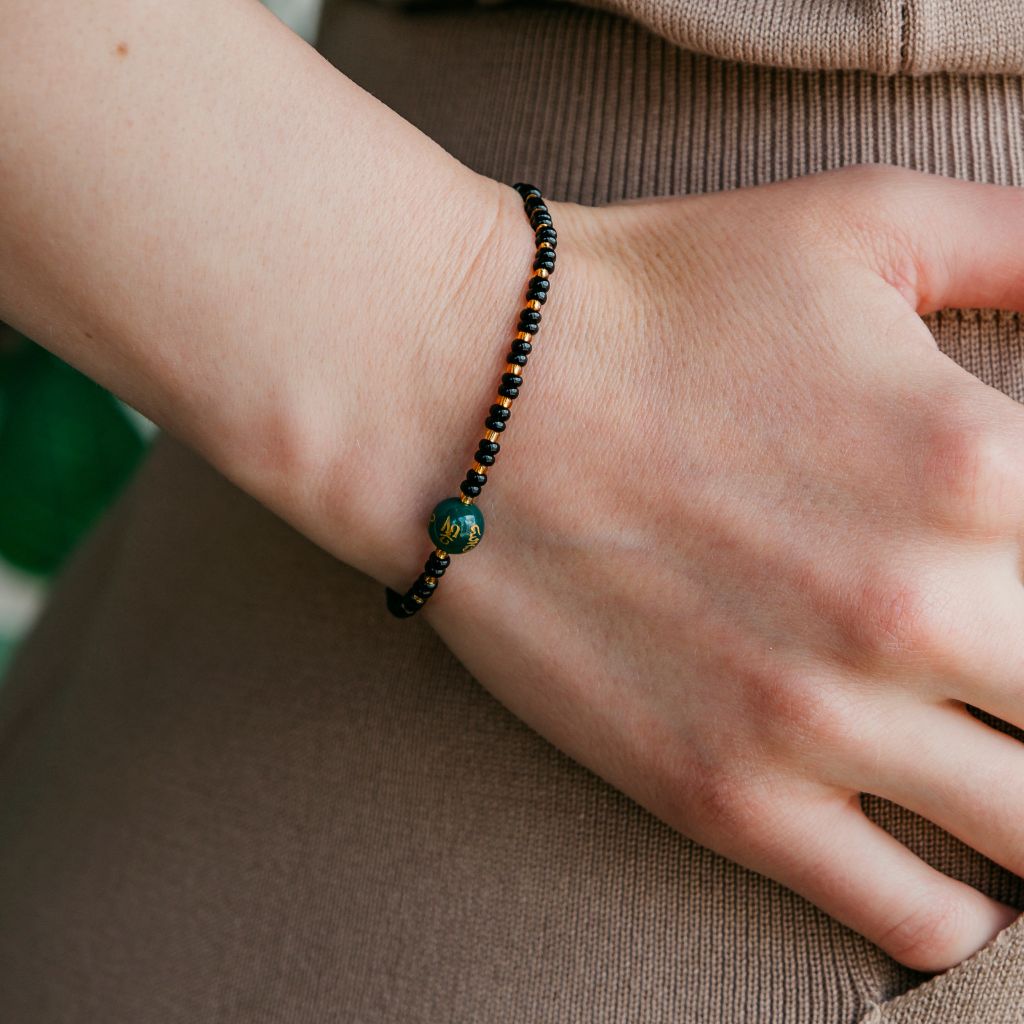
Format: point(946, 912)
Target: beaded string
point(457, 524)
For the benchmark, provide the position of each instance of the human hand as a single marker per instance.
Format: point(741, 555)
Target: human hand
point(754, 542)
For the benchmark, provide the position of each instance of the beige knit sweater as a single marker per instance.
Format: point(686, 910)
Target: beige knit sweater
point(887, 36)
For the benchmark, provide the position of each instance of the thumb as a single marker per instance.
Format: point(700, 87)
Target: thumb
point(940, 241)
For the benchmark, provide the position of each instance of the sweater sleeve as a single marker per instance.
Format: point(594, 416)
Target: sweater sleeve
point(883, 36)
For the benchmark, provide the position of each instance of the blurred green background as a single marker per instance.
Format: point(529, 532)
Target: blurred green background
point(67, 448)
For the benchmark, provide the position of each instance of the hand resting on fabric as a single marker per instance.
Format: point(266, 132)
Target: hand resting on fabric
point(756, 542)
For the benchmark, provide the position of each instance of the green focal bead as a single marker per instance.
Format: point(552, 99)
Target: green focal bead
point(455, 526)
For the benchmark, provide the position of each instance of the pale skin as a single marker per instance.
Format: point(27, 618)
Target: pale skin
point(753, 542)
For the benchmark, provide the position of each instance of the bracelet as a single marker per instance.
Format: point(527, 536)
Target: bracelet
point(457, 524)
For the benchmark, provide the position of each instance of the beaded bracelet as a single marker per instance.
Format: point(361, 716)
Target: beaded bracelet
point(456, 524)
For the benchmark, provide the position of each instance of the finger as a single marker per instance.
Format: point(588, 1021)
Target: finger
point(977, 654)
point(854, 870)
point(947, 766)
point(943, 241)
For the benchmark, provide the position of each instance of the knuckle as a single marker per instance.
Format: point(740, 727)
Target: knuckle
point(728, 805)
point(801, 709)
point(969, 476)
point(927, 936)
point(895, 616)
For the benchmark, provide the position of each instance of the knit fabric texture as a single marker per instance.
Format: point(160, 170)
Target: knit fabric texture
point(886, 36)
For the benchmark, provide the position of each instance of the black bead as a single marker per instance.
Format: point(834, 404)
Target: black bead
point(541, 220)
point(491, 447)
point(511, 380)
point(536, 296)
point(525, 327)
point(526, 190)
point(532, 203)
point(475, 478)
point(396, 606)
point(538, 284)
point(424, 590)
point(492, 424)
point(548, 235)
point(544, 252)
point(484, 458)
point(531, 316)
point(516, 359)
point(434, 567)
point(521, 347)
point(544, 264)
point(507, 391)
point(469, 490)
point(499, 412)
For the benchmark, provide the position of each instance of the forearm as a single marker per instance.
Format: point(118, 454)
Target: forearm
point(191, 197)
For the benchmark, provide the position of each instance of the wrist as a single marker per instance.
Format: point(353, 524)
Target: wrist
point(372, 459)
point(443, 377)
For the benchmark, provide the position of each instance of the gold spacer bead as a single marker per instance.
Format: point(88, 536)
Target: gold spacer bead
point(545, 245)
point(505, 402)
point(533, 304)
point(512, 368)
point(491, 435)
point(540, 273)
point(440, 552)
point(465, 499)
point(523, 336)
point(417, 598)
point(429, 579)
point(477, 468)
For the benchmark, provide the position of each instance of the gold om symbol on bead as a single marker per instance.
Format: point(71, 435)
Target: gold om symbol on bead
point(450, 531)
point(474, 536)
